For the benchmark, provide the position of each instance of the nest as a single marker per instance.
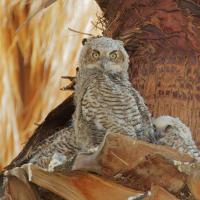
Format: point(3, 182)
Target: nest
point(123, 169)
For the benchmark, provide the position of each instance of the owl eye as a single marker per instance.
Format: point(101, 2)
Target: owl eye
point(113, 55)
point(95, 54)
point(168, 127)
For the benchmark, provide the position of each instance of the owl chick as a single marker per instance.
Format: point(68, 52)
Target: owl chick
point(104, 98)
point(174, 133)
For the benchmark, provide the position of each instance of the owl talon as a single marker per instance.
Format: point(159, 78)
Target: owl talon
point(60, 162)
point(56, 161)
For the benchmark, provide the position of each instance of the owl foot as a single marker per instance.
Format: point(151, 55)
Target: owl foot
point(60, 162)
point(56, 160)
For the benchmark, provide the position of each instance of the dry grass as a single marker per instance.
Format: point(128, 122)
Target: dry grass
point(33, 59)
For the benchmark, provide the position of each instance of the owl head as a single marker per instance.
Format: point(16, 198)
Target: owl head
point(165, 125)
point(103, 54)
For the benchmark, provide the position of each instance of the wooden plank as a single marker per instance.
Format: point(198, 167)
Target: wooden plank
point(193, 183)
point(79, 185)
point(122, 153)
point(159, 193)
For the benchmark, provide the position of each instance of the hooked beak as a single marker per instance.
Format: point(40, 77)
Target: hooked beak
point(104, 63)
point(157, 134)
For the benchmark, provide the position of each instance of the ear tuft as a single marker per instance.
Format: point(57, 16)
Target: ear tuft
point(120, 42)
point(84, 41)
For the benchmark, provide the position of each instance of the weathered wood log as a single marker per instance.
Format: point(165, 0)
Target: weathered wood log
point(193, 182)
point(73, 186)
point(136, 164)
point(158, 193)
point(153, 170)
point(145, 165)
point(122, 153)
point(18, 187)
point(18, 190)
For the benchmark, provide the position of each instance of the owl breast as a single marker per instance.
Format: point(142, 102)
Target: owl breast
point(108, 104)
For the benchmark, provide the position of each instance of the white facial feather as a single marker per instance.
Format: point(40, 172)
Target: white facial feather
point(104, 46)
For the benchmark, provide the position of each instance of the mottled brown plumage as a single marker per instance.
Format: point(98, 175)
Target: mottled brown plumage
point(62, 142)
point(104, 97)
point(105, 103)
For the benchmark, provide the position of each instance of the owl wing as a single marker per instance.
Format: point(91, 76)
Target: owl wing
point(63, 142)
point(146, 116)
point(59, 117)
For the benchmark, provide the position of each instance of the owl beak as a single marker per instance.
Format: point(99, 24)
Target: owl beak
point(157, 134)
point(104, 63)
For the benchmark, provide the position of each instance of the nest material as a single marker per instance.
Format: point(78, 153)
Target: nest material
point(148, 167)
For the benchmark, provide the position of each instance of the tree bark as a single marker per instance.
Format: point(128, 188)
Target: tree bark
point(162, 39)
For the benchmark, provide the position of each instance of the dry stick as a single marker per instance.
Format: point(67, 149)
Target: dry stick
point(73, 30)
point(71, 78)
point(116, 156)
point(68, 87)
point(96, 26)
point(71, 85)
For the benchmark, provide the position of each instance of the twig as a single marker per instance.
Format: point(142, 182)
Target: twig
point(71, 78)
point(73, 30)
point(124, 162)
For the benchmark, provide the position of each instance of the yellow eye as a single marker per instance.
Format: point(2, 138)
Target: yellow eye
point(95, 54)
point(113, 55)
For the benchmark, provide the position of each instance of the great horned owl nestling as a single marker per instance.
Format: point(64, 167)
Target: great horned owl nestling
point(105, 103)
point(174, 133)
point(104, 97)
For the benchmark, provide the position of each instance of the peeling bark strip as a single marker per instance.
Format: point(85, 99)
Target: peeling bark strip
point(162, 38)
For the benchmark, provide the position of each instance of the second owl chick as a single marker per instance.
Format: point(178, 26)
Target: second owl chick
point(176, 134)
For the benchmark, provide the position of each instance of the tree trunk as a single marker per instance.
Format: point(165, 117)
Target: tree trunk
point(162, 39)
